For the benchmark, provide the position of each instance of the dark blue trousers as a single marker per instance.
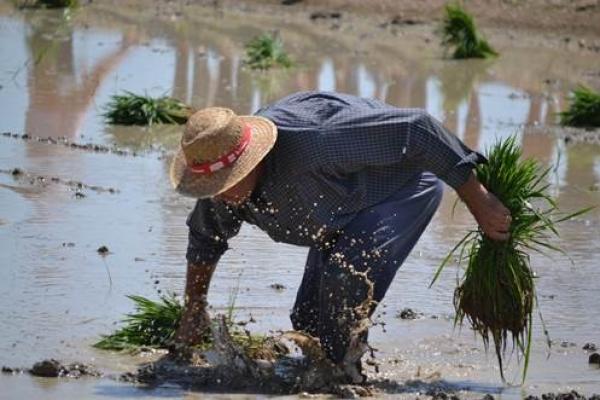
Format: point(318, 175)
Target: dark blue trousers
point(359, 265)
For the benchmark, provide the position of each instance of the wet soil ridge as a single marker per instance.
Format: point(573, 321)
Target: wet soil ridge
point(21, 175)
point(52, 368)
point(62, 141)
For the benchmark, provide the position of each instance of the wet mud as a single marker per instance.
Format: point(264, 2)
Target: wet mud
point(289, 363)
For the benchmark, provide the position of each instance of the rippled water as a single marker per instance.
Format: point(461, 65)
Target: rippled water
point(57, 294)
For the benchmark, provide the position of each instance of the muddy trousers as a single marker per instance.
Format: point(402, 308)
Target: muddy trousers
point(343, 283)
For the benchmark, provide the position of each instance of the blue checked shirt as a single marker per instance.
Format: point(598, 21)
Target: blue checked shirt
point(335, 155)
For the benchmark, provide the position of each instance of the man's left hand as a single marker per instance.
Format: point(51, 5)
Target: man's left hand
point(489, 212)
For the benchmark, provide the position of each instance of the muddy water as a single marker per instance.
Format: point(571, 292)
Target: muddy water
point(57, 294)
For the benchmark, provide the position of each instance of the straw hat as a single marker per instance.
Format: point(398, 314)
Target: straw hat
point(218, 150)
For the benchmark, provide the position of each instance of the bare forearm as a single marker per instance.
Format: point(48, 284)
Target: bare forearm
point(472, 190)
point(198, 279)
point(195, 320)
point(491, 215)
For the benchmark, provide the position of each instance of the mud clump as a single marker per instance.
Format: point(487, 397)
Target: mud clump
point(54, 369)
point(408, 313)
point(438, 394)
point(12, 371)
point(47, 368)
point(103, 250)
point(572, 395)
point(590, 347)
point(323, 15)
point(277, 286)
point(400, 20)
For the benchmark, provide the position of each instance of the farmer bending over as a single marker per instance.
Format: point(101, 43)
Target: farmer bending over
point(354, 180)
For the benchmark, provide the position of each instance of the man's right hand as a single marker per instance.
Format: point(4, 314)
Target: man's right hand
point(195, 321)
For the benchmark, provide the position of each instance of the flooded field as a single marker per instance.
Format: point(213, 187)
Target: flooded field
point(59, 203)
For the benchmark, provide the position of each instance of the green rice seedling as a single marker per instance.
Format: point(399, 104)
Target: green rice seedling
point(59, 3)
point(459, 32)
point(266, 51)
point(49, 3)
point(153, 324)
point(584, 109)
point(496, 293)
point(133, 109)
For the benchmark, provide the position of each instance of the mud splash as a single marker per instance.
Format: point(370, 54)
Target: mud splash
point(227, 367)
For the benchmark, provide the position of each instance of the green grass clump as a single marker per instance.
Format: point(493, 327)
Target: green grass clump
point(584, 109)
point(266, 51)
point(497, 293)
point(133, 109)
point(153, 324)
point(459, 32)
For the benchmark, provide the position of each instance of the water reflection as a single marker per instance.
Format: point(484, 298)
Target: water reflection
point(327, 76)
point(60, 84)
point(69, 63)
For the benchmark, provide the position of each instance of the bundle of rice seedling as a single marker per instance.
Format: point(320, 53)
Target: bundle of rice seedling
point(266, 51)
point(584, 109)
point(133, 109)
point(497, 294)
point(459, 31)
point(153, 324)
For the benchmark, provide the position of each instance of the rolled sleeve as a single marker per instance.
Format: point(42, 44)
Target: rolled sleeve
point(211, 224)
point(439, 151)
point(408, 138)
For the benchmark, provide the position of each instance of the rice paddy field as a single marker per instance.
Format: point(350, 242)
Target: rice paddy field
point(87, 216)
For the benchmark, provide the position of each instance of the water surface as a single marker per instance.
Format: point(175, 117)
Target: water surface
point(58, 294)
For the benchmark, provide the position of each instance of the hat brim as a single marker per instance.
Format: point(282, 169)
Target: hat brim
point(186, 182)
